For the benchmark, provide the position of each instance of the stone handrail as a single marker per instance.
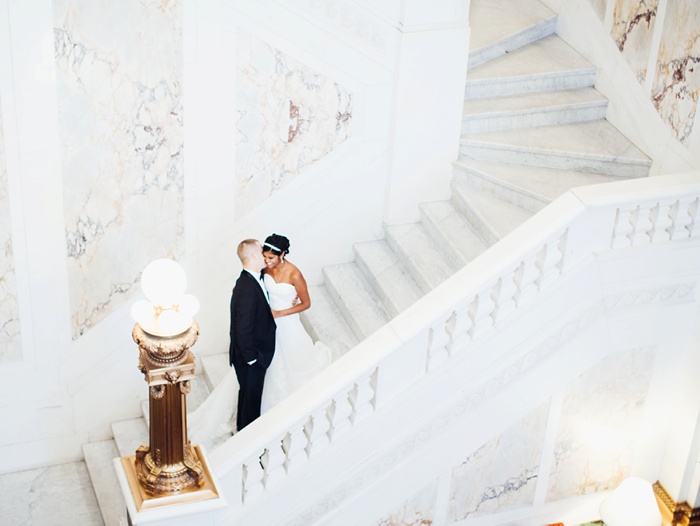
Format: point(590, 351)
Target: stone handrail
point(481, 298)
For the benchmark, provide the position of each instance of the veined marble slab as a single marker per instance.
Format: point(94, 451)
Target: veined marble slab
point(502, 474)
point(632, 30)
point(10, 343)
point(289, 116)
point(419, 510)
point(119, 90)
point(600, 417)
point(677, 82)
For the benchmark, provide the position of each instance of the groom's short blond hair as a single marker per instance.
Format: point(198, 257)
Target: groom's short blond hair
point(246, 248)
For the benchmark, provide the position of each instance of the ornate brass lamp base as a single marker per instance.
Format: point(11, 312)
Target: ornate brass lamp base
point(145, 499)
point(168, 480)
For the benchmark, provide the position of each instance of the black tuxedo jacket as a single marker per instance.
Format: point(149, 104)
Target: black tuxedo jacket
point(252, 324)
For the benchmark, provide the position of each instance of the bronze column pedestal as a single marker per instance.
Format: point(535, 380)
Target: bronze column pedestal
point(170, 469)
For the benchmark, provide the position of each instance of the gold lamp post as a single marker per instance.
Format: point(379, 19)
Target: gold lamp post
point(169, 470)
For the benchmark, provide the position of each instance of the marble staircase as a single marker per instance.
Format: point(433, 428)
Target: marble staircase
point(533, 127)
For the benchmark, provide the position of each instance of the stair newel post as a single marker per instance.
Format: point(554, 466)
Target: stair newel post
point(168, 465)
point(169, 470)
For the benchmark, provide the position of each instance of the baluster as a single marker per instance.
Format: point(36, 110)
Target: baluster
point(362, 398)
point(622, 229)
point(253, 478)
point(340, 415)
point(273, 463)
point(439, 337)
point(642, 226)
point(317, 429)
point(694, 214)
point(684, 215)
point(504, 297)
point(462, 325)
point(548, 261)
point(295, 445)
point(483, 321)
point(526, 280)
point(661, 219)
point(680, 221)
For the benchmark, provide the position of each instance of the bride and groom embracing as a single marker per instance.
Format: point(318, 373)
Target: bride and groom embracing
point(270, 351)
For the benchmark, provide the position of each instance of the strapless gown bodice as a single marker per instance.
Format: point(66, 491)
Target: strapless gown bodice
point(281, 295)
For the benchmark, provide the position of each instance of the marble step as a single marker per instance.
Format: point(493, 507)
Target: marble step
point(529, 187)
point(324, 322)
point(502, 26)
point(98, 460)
point(355, 299)
point(549, 64)
point(533, 109)
point(595, 146)
point(382, 268)
point(492, 217)
point(454, 236)
point(418, 253)
point(129, 435)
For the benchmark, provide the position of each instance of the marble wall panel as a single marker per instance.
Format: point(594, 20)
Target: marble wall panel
point(676, 86)
point(419, 510)
point(600, 420)
point(119, 90)
point(632, 29)
point(288, 117)
point(502, 474)
point(10, 343)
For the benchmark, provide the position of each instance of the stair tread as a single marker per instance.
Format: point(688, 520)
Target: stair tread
point(414, 243)
point(547, 56)
point(593, 139)
point(129, 435)
point(489, 25)
point(325, 323)
point(546, 183)
point(455, 229)
point(532, 102)
point(98, 460)
point(360, 301)
point(502, 217)
point(398, 289)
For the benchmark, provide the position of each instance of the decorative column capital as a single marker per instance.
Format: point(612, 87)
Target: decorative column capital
point(165, 351)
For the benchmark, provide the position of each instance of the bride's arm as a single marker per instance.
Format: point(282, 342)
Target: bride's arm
point(296, 278)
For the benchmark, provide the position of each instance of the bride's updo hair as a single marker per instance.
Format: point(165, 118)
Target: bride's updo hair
point(276, 244)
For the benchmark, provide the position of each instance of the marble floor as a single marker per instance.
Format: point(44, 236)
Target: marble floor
point(54, 495)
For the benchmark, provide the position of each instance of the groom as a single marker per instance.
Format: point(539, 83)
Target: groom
point(252, 332)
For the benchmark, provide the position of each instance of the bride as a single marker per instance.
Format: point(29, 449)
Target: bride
point(297, 359)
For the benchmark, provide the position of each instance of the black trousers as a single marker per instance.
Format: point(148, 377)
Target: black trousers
point(250, 381)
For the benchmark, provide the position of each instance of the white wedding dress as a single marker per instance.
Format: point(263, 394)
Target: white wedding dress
point(297, 359)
